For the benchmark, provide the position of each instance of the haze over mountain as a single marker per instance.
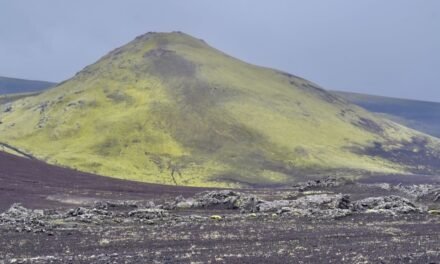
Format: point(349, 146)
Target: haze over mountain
point(12, 89)
point(168, 108)
point(14, 85)
point(419, 115)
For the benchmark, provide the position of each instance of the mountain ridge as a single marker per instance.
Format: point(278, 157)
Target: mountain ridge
point(420, 115)
point(10, 85)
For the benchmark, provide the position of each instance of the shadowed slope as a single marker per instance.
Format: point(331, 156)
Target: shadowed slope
point(419, 115)
point(168, 108)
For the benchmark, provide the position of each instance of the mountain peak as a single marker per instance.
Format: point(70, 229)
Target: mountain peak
point(162, 34)
point(155, 43)
point(174, 37)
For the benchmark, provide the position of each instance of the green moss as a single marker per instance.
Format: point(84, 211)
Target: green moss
point(167, 108)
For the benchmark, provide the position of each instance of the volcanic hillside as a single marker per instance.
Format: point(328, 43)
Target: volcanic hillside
point(168, 108)
point(35, 184)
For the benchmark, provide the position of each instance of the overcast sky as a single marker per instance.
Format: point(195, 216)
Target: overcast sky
point(385, 47)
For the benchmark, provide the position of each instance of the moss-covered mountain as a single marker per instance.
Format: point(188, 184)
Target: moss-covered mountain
point(168, 108)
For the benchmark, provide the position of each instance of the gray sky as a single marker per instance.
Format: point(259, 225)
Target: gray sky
point(380, 47)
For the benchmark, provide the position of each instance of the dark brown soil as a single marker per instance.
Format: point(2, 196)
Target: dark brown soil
point(36, 184)
point(373, 239)
point(190, 235)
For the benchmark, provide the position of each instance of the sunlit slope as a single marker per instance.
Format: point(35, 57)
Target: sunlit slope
point(168, 108)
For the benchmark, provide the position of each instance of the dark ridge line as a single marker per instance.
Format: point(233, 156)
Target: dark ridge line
point(29, 156)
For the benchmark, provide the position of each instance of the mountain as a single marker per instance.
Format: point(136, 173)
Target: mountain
point(419, 115)
point(168, 108)
point(15, 86)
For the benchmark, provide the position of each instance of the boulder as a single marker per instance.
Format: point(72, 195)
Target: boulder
point(18, 213)
point(391, 204)
point(148, 213)
point(225, 199)
point(317, 201)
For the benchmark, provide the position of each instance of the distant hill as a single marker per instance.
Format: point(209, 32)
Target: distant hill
point(419, 115)
point(18, 86)
point(168, 108)
point(9, 98)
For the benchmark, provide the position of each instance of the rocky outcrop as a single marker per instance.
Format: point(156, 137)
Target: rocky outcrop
point(326, 182)
point(222, 199)
point(421, 191)
point(24, 220)
point(309, 204)
point(316, 205)
point(319, 206)
point(109, 205)
point(389, 204)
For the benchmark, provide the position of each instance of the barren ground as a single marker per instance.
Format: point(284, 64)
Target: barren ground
point(189, 235)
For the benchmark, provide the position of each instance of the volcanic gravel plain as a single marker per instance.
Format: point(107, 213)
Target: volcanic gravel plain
point(50, 214)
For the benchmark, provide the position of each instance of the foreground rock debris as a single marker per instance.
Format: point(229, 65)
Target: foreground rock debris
point(317, 221)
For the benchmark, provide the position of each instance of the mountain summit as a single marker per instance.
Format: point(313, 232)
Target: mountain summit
point(168, 108)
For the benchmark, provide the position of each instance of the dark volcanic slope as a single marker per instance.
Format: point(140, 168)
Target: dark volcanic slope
point(38, 185)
